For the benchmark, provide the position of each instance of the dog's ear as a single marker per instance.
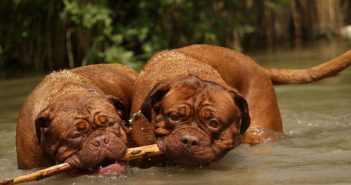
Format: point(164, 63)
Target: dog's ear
point(120, 106)
point(241, 103)
point(43, 120)
point(156, 94)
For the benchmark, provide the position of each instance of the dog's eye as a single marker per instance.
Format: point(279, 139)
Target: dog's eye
point(214, 123)
point(81, 127)
point(75, 135)
point(111, 123)
point(102, 119)
point(173, 117)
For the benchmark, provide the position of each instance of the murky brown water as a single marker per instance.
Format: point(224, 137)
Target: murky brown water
point(317, 120)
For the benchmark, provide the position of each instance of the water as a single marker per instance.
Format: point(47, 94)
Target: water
point(316, 118)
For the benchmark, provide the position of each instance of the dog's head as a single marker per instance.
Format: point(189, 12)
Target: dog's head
point(85, 131)
point(196, 121)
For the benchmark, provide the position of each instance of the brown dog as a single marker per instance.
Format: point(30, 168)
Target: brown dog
point(76, 116)
point(196, 101)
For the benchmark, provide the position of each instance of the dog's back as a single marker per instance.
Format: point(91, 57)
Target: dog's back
point(109, 76)
point(227, 62)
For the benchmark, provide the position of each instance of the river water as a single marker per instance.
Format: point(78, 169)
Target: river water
point(316, 119)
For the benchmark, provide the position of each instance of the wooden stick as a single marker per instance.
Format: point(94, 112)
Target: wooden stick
point(140, 152)
point(132, 153)
point(38, 174)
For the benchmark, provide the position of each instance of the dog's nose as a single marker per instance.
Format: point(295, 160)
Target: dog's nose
point(100, 141)
point(189, 140)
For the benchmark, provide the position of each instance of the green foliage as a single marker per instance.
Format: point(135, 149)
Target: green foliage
point(88, 15)
point(127, 32)
point(130, 33)
point(275, 5)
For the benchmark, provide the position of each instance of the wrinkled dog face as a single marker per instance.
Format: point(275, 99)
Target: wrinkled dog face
point(85, 132)
point(196, 121)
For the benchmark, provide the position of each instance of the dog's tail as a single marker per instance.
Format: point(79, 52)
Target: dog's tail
point(327, 69)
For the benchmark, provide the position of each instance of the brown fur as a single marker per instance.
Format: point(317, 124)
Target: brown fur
point(76, 116)
point(228, 69)
point(172, 81)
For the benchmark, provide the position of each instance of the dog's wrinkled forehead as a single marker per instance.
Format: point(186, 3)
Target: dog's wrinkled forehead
point(199, 96)
point(86, 105)
point(188, 90)
point(96, 104)
point(90, 109)
point(194, 86)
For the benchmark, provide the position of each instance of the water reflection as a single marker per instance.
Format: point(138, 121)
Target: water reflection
point(316, 117)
